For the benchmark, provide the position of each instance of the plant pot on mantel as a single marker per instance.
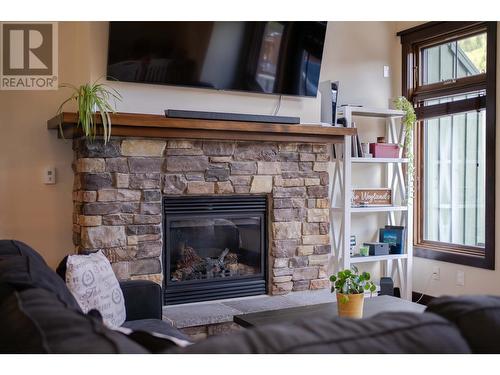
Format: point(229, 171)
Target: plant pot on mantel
point(350, 305)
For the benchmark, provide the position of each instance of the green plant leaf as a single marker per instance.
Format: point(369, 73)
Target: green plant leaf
point(343, 298)
point(408, 120)
point(351, 282)
point(94, 107)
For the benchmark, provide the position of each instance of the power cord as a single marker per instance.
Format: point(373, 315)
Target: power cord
point(426, 287)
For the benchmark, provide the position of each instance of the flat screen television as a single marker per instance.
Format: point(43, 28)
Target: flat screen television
point(265, 57)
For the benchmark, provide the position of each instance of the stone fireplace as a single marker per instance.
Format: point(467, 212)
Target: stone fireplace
point(120, 189)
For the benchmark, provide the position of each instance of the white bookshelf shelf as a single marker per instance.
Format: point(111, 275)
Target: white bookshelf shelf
point(372, 112)
point(397, 266)
point(379, 209)
point(377, 258)
point(379, 160)
point(372, 209)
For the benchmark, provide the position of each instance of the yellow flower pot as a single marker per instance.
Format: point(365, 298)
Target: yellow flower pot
point(353, 308)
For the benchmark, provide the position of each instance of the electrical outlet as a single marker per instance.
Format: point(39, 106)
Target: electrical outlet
point(460, 278)
point(49, 175)
point(436, 274)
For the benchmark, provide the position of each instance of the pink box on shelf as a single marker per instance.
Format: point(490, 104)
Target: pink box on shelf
point(384, 150)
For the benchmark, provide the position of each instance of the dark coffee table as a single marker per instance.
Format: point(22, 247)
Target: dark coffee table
point(372, 306)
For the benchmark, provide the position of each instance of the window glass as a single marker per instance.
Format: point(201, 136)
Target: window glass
point(454, 98)
point(454, 179)
point(456, 59)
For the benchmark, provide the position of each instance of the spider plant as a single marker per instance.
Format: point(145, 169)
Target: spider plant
point(94, 101)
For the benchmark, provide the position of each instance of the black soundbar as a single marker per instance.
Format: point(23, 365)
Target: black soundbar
point(176, 113)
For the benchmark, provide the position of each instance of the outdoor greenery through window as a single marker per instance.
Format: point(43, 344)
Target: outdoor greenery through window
point(456, 59)
point(450, 77)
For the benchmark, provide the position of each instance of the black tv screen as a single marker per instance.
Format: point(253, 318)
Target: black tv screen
point(265, 57)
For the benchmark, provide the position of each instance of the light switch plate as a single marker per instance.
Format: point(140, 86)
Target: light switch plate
point(386, 71)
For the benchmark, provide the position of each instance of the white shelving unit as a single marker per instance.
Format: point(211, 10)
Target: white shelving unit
point(397, 266)
point(379, 160)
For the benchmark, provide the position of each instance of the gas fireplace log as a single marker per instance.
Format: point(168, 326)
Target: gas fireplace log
point(192, 266)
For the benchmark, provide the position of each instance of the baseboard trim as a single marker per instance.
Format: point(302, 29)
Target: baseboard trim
point(424, 298)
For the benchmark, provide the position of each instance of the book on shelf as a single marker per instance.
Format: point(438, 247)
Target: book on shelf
point(356, 151)
point(395, 236)
point(358, 147)
point(343, 123)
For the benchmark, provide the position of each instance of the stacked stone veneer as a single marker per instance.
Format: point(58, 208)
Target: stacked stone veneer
point(118, 189)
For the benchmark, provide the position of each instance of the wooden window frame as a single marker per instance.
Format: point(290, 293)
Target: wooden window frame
point(413, 40)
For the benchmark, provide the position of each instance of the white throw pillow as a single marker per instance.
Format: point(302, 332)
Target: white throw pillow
point(94, 285)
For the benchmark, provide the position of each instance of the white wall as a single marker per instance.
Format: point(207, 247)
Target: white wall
point(41, 215)
point(476, 280)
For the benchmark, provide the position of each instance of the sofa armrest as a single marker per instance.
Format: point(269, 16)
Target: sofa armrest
point(143, 299)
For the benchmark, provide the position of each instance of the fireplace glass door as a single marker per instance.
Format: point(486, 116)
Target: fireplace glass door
point(214, 247)
point(210, 247)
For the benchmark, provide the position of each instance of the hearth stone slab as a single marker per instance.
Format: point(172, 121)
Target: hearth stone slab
point(222, 311)
point(197, 314)
point(264, 303)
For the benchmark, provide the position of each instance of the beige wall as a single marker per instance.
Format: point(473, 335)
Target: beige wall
point(40, 215)
point(29, 210)
point(476, 280)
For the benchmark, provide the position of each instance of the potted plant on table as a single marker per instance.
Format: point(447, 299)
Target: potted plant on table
point(94, 101)
point(350, 287)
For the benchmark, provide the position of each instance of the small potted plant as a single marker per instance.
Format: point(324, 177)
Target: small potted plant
point(94, 101)
point(350, 287)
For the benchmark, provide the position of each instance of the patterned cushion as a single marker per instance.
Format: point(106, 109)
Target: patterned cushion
point(94, 285)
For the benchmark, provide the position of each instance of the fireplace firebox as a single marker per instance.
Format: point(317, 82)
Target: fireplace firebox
point(214, 247)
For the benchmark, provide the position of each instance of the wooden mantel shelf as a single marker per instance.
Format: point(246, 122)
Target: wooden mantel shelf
point(157, 126)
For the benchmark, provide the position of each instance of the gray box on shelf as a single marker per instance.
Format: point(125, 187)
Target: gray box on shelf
point(378, 248)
